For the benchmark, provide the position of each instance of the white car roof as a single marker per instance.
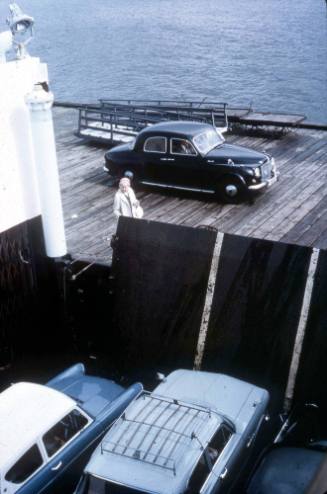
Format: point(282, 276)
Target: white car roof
point(27, 411)
point(152, 447)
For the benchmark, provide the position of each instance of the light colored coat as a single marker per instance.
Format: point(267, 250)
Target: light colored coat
point(126, 204)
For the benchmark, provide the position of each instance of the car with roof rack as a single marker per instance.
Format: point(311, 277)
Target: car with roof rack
point(47, 432)
point(192, 434)
point(192, 156)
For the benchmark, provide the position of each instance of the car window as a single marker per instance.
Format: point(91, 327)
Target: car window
point(208, 458)
point(131, 143)
point(155, 145)
point(181, 146)
point(218, 442)
point(63, 431)
point(94, 485)
point(199, 475)
point(25, 466)
point(208, 140)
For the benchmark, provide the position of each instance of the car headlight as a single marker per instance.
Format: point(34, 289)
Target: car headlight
point(255, 172)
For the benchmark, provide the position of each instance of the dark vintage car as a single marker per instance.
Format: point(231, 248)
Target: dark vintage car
point(290, 470)
point(296, 463)
point(192, 156)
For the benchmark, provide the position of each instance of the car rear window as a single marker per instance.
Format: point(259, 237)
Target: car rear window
point(94, 485)
point(155, 145)
point(25, 466)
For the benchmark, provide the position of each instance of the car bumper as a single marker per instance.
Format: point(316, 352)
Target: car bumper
point(266, 183)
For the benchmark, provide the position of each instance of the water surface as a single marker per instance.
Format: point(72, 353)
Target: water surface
point(271, 54)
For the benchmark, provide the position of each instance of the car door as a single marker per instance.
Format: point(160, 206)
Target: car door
point(60, 450)
point(208, 477)
point(185, 163)
point(155, 160)
point(63, 447)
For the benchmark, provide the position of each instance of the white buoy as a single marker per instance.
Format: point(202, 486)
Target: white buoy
point(40, 103)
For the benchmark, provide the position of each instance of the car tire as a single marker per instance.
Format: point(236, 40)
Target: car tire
point(131, 175)
point(231, 189)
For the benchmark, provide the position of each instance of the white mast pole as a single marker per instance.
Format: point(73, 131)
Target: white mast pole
point(40, 103)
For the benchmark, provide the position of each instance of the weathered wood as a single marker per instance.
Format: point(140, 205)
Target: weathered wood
point(293, 210)
point(265, 118)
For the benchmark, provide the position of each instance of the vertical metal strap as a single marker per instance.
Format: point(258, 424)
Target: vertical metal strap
point(208, 302)
point(297, 350)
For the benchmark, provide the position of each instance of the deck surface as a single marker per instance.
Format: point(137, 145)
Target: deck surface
point(294, 210)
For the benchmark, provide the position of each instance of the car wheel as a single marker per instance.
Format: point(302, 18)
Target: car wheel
point(231, 189)
point(132, 177)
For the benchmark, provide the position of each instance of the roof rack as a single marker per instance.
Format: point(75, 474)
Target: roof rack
point(148, 441)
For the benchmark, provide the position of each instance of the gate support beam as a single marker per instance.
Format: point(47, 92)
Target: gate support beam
point(298, 344)
point(208, 302)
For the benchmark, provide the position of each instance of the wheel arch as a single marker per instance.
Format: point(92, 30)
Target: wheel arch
point(232, 176)
point(231, 181)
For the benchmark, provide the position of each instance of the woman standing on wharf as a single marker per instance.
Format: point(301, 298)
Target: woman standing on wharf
point(125, 202)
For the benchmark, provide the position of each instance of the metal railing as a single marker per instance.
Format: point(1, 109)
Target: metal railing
point(114, 118)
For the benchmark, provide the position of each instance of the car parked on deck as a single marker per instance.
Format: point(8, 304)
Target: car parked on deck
point(192, 156)
point(47, 432)
point(296, 462)
point(192, 434)
point(290, 470)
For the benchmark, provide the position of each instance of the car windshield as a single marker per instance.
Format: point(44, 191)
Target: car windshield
point(131, 143)
point(208, 140)
point(95, 485)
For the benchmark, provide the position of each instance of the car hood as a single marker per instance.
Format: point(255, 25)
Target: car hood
point(239, 154)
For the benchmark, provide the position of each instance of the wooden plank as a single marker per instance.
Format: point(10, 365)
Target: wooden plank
point(311, 227)
point(263, 118)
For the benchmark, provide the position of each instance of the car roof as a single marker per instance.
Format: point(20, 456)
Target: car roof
point(155, 444)
point(231, 397)
point(183, 128)
point(27, 411)
point(152, 445)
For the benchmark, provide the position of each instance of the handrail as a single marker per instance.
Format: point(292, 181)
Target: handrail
point(134, 117)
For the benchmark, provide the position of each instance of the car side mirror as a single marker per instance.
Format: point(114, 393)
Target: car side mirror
point(161, 377)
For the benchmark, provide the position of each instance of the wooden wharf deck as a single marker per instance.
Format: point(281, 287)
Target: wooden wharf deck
point(294, 210)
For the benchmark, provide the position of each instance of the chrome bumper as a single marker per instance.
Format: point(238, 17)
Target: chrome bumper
point(266, 183)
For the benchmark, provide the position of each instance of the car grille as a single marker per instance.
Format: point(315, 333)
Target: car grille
point(266, 171)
